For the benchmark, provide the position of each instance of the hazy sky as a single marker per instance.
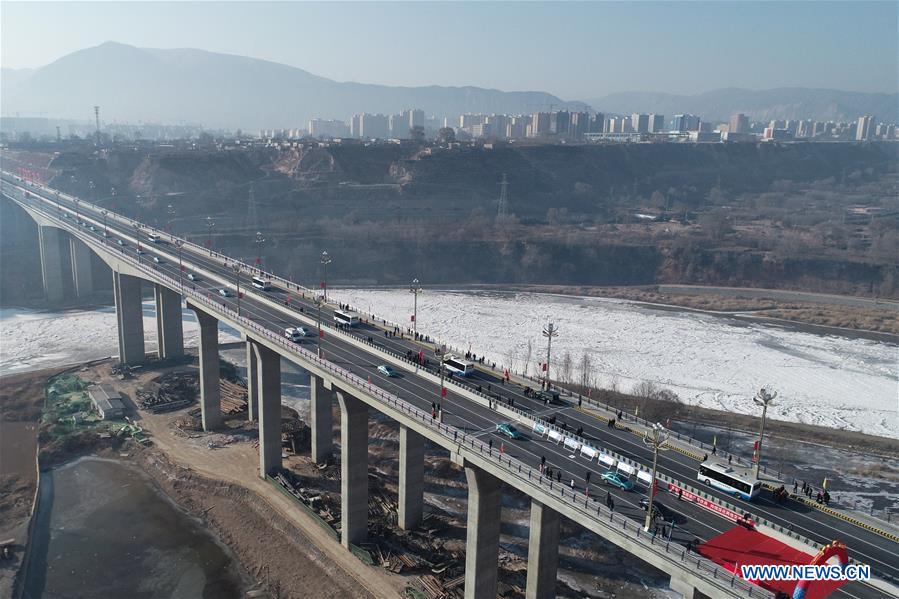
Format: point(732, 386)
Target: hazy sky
point(577, 50)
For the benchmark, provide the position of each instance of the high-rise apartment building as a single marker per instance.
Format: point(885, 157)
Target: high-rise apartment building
point(639, 123)
point(597, 123)
point(739, 123)
point(356, 126)
point(685, 122)
point(325, 128)
point(656, 123)
point(541, 124)
point(864, 130)
point(373, 126)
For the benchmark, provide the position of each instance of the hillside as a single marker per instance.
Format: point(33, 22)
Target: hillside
point(220, 90)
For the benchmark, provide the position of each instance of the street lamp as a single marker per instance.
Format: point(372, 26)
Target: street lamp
point(77, 214)
point(58, 207)
point(92, 187)
point(763, 398)
point(415, 289)
point(171, 212)
point(137, 237)
point(441, 355)
point(210, 223)
point(179, 243)
point(237, 284)
point(319, 300)
point(325, 261)
point(549, 332)
point(657, 438)
point(259, 241)
point(105, 230)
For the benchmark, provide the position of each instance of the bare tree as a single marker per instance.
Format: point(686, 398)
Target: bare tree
point(585, 370)
point(528, 354)
point(510, 358)
point(565, 369)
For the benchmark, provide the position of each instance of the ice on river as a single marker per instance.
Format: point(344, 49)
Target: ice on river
point(708, 360)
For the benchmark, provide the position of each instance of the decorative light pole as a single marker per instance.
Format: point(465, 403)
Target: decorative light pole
point(105, 212)
point(763, 398)
point(657, 438)
point(171, 212)
point(325, 261)
point(77, 213)
point(137, 237)
point(92, 187)
point(210, 223)
point(441, 356)
point(259, 241)
point(179, 243)
point(58, 207)
point(549, 331)
point(415, 289)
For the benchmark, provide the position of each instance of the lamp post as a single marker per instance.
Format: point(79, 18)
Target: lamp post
point(171, 212)
point(549, 331)
point(657, 437)
point(259, 241)
point(105, 212)
point(415, 289)
point(58, 207)
point(318, 340)
point(237, 284)
point(763, 398)
point(92, 187)
point(137, 237)
point(441, 357)
point(179, 243)
point(325, 261)
point(77, 213)
point(210, 223)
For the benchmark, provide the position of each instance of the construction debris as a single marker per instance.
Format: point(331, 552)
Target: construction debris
point(175, 391)
point(234, 397)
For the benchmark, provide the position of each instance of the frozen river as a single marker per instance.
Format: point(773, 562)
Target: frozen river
point(708, 360)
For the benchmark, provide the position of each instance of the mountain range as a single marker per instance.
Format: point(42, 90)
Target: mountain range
point(171, 86)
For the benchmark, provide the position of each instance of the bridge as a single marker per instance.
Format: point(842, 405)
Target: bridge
point(342, 364)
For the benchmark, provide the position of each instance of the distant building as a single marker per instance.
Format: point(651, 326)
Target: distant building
point(356, 126)
point(541, 124)
point(597, 123)
point(498, 124)
point(373, 126)
point(685, 122)
point(640, 123)
point(560, 122)
point(656, 123)
point(772, 134)
point(804, 129)
point(470, 120)
point(579, 125)
point(327, 128)
point(107, 402)
point(739, 123)
point(517, 127)
point(864, 130)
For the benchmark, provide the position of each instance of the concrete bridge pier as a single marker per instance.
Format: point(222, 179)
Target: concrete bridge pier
point(51, 263)
point(353, 469)
point(252, 384)
point(482, 542)
point(210, 391)
point(130, 318)
point(268, 387)
point(321, 421)
point(411, 491)
point(686, 589)
point(168, 322)
point(543, 552)
point(82, 271)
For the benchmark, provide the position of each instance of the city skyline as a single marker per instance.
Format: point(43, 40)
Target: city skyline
point(647, 42)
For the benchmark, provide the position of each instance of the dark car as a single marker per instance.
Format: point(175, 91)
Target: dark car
point(659, 511)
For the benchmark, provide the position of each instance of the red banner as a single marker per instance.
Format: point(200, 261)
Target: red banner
point(705, 503)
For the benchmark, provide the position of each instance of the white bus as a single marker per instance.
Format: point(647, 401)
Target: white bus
point(345, 317)
point(260, 283)
point(153, 237)
point(458, 366)
point(738, 483)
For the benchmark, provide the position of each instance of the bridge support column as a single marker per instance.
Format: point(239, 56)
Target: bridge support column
point(686, 589)
point(320, 420)
point(130, 318)
point(268, 387)
point(210, 391)
point(168, 322)
point(543, 552)
point(82, 272)
point(51, 263)
point(412, 456)
point(482, 542)
point(252, 384)
point(353, 469)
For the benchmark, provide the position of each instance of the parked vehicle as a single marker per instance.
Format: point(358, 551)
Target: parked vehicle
point(387, 371)
point(504, 428)
point(616, 479)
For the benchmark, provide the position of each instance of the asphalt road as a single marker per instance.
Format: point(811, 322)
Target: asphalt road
point(691, 522)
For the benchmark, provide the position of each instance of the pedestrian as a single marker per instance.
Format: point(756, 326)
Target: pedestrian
point(795, 486)
point(559, 476)
point(542, 462)
point(680, 494)
point(730, 460)
point(587, 477)
point(714, 450)
point(490, 444)
point(579, 401)
point(620, 414)
point(572, 484)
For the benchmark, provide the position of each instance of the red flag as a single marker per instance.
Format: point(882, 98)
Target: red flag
point(412, 318)
point(183, 268)
point(322, 284)
point(258, 261)
point(321, 334)
point(443, 392)
point(543, 366)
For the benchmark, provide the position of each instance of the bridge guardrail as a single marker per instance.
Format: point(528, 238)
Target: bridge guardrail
point(464, 442)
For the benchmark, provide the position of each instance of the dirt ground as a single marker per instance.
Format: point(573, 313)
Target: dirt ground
point(21, 398)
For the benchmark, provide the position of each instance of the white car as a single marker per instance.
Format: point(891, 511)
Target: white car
point(295, 335)
point(224, 293)
point(157, 259)
point(193, 277)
